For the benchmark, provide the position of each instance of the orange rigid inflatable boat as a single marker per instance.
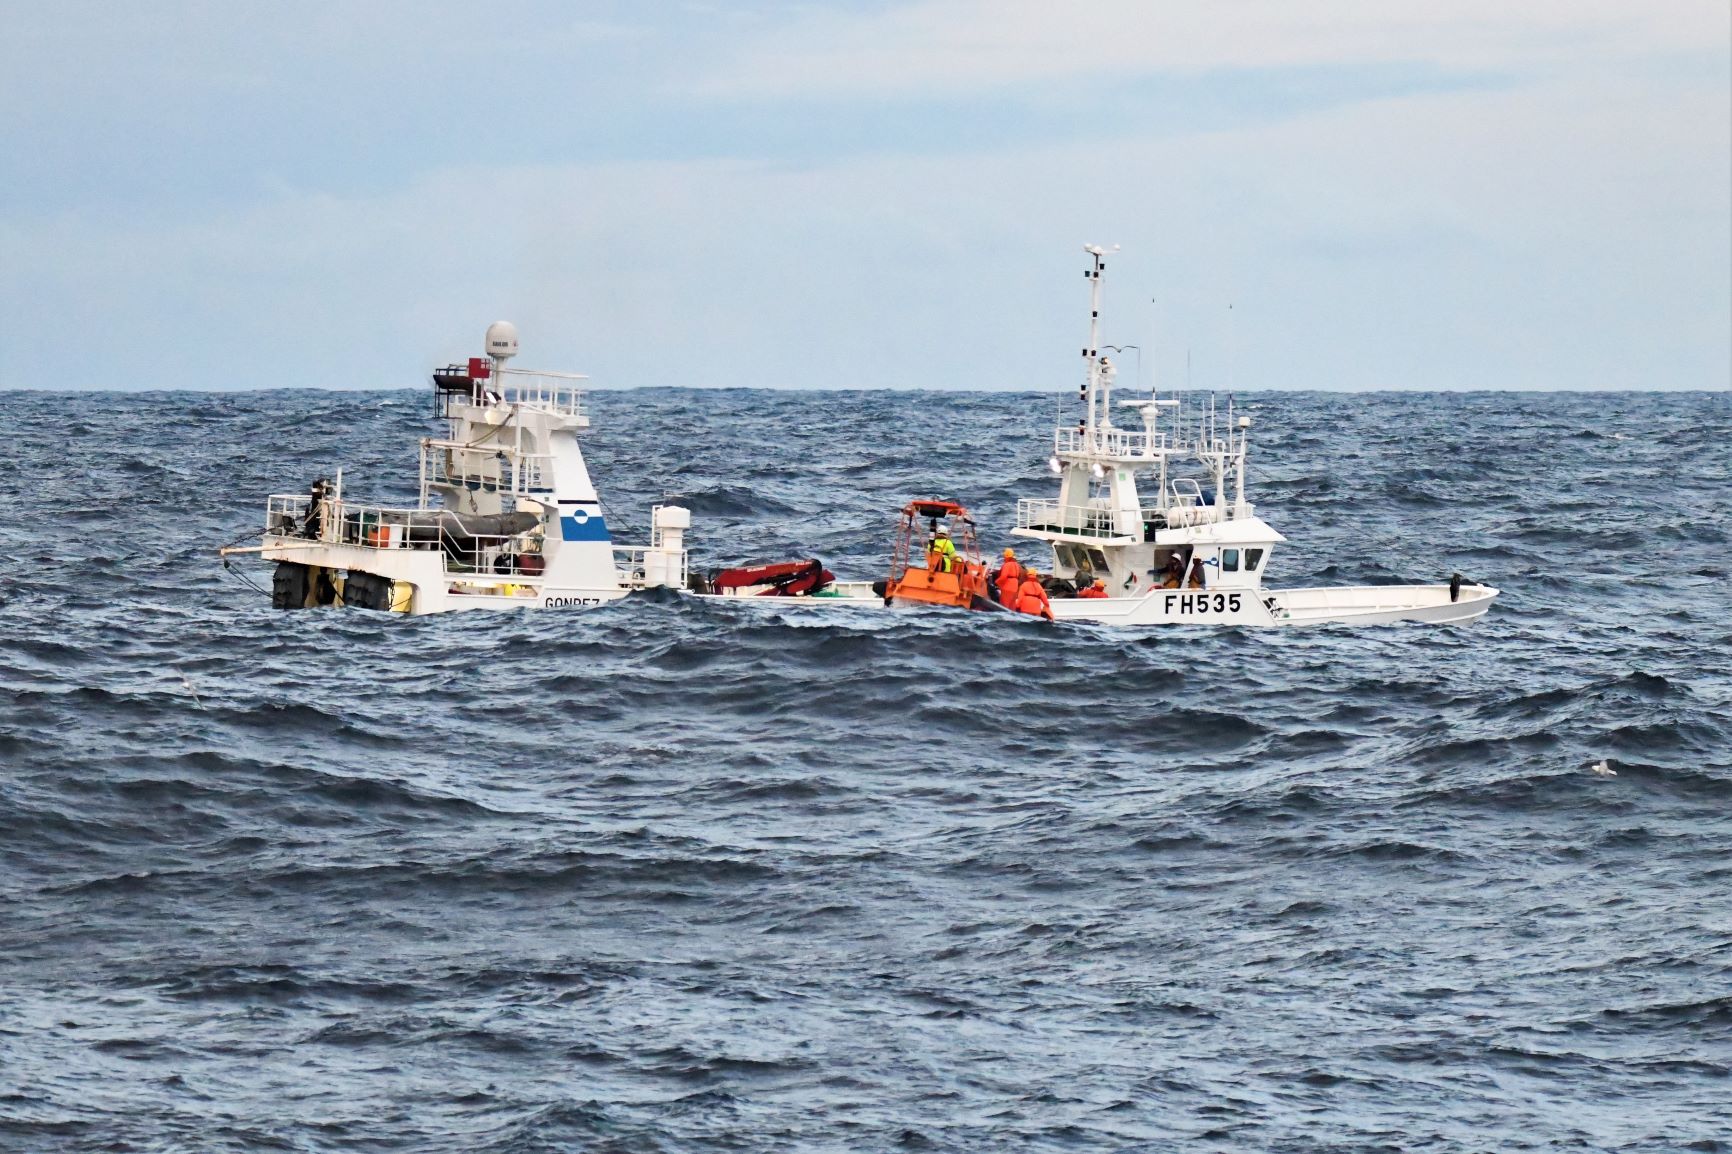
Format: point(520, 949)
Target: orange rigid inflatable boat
point(955, 576)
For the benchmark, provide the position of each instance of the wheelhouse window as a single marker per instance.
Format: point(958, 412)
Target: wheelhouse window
point(1229, 560)
point(1253, 558)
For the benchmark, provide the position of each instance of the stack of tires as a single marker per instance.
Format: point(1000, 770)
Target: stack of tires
point(295, 586)
point(289, 586)
point(367, 591)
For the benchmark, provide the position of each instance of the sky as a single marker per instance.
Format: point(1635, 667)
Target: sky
point(1336, 194)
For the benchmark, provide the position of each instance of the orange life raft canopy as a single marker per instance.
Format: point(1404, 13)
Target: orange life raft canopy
point(959, 580)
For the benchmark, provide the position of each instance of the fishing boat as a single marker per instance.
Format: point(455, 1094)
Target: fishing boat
point(1155, 510)
point(507, 516)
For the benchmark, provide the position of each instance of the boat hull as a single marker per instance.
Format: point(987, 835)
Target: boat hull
point(1382, 604)
point(1342, 605)
point(421, 583)
point(1264, 608)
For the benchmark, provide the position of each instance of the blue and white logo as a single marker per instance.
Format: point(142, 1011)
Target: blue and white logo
point(582, 525)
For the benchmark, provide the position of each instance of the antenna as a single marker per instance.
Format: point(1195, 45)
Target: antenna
point(1154, 348)
point(1188, 389)
point(1232, 349)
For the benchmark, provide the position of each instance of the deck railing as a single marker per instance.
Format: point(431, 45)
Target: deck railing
point(1114, 442)
point(486, 468)
point(530, 388)
point(639, 566)
point(1083, 520)
point(533, 388)
point(1097, 522)
point(338, 522)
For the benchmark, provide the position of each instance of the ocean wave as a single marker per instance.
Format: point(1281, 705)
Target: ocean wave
point(680, 876)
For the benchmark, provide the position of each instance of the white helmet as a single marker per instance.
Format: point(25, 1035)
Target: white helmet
point(943, 532)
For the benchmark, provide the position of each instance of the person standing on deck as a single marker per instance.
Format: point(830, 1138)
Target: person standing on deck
point(941, 554)
point(1031, 596)
point(1008, 579)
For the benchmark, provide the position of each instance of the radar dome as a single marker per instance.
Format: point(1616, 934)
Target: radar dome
point(502, 340)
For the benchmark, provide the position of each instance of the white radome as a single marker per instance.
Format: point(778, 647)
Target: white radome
point(502, 340)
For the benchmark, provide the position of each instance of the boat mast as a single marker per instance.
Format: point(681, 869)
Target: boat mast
point(1092, 353)
point(1239, 507)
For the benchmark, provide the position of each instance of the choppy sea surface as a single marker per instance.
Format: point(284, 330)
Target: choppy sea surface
point(669, 876)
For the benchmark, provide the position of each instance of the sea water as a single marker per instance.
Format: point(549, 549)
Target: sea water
point(682, 876)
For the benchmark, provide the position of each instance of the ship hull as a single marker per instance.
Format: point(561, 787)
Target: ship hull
point(1253, 608)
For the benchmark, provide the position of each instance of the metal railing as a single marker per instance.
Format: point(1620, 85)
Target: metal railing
point(1113, 442)
point(376, 527)
point(533, 388)
point(1083, 520)
point(1096, 522)
point(487, 468)
point(529, 388)
point(336, 522)
point(639, 566)
point(286, 514)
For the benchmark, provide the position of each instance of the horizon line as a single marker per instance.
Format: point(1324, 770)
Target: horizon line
point(1059, 390)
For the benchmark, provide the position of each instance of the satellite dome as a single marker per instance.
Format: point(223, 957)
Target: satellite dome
point(502, 340)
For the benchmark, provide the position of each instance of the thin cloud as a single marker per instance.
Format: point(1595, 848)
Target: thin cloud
point(950, 46)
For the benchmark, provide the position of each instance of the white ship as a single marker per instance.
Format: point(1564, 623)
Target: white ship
point(1156, 511)
point(507, 516)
